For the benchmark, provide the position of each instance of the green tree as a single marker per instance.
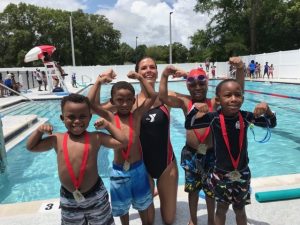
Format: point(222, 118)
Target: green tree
point(25, 26)
point(247, 27)
point(179, 53)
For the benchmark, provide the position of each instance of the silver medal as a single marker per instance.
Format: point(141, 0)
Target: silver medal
point(78, 196)
point(126, 165)
point(201, 149)
point(234, 175)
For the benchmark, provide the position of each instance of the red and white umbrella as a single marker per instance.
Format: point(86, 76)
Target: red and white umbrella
point(37, 52)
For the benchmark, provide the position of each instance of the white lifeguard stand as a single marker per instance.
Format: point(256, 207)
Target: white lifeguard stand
point(54, 76)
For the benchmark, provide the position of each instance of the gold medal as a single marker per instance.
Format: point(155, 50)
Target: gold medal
point(201, 149)
point(126, 165)
point(234, 175)
point(78, 196)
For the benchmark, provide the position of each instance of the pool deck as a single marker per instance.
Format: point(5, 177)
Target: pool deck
point(31, 213)
point(46, 212)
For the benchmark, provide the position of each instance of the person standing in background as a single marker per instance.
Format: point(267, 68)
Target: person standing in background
point(44, 79)
point(74, 83)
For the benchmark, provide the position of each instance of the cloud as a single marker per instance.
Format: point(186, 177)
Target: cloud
point(149, 20)
point(69, 5)
point(146, 19)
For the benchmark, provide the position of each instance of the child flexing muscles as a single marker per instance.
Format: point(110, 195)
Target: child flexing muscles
point(83, 197)
point(230, 178)
point(129, 178)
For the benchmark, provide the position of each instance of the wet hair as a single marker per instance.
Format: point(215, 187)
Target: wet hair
point(75, 98)
point(121, 85)
point(219, 86)
point(137, 65)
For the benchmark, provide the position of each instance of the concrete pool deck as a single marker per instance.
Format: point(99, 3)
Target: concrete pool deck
point(271, 213)
point(46, 212)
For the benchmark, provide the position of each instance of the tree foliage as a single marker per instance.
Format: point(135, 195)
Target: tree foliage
point(246, 27)
point(25, 26)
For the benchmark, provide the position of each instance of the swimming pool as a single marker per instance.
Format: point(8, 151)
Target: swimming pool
point(33, 176)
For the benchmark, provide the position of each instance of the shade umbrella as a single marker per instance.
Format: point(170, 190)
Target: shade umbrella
point(37, 52)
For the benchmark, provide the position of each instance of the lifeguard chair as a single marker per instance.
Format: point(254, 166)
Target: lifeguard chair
point(54, 76)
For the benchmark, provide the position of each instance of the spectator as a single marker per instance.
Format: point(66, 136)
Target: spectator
point(266, 70)
point(38, 78)
point(74, 83)
point(8, 83)
point(207, 65)
point(252, 68)
point(213, 70)
point(271, 69)
point(44, 79)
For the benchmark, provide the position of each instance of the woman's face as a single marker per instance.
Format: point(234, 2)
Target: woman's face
point(147, 68)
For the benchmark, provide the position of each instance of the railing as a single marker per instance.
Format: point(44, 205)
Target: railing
point(89, 80)
point(3, 160)
point(17, 93)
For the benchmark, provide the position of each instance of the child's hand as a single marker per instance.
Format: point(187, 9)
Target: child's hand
point(180, 73)
point(261, 109)
point(133, 75)
point(46, 128)
point(100, 123)
point(169, 70)
point(107, 76)
point(237, 62)
point(202, 107)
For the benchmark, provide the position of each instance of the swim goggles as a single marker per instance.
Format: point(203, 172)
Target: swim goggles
point(267, 136)
point(192, 80)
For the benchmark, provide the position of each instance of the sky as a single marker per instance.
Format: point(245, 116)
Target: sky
point(139, 21)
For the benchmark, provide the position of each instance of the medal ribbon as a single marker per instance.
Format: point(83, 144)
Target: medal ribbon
point(126, 152)
point(200, 137)
point(76, 182)
point(234, 162)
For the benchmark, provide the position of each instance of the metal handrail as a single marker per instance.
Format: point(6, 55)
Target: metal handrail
point(82, 76)
point(17, 93)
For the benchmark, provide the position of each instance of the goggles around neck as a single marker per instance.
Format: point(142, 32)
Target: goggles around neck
point(193, 80)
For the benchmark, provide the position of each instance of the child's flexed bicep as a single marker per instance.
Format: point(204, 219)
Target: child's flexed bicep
point(116, 139)
point(194, 121)
point(35, 141)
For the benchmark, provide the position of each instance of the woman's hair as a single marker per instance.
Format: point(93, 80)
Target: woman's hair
point(121, 85)
point(137, 65)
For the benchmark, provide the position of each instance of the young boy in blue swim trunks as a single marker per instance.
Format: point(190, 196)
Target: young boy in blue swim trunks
point(83, 197)
point(230, 178)
point(129, 178)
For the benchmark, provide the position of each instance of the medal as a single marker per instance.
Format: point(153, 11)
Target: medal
point(126, 165)
point(234, 175)
point(78, 196)
point(126, 152)
point(201, 149)
point(76, 181)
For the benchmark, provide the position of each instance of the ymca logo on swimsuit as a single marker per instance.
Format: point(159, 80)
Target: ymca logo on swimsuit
point(152, 117)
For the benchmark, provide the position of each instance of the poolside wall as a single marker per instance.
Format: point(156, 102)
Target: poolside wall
point(286, 66)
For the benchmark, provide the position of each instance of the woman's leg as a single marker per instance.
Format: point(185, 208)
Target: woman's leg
point(167, 186)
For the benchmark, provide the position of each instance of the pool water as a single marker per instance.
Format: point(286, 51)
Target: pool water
point(33, 176)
